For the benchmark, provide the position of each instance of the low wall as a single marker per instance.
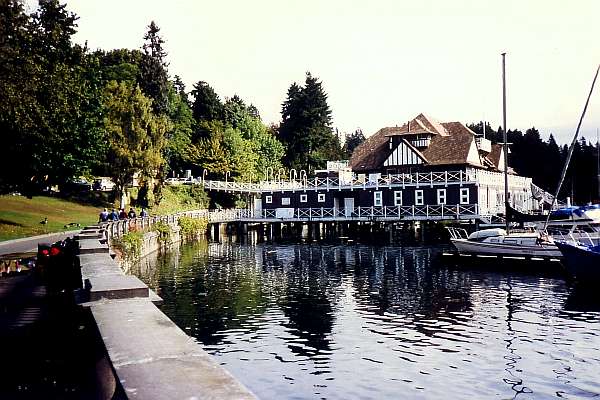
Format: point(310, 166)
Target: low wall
point(151, 358)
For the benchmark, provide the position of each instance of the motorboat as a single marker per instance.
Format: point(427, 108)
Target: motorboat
point(581, 261)
point(497, 242)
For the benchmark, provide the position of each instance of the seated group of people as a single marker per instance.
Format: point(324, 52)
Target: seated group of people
point(106, 216)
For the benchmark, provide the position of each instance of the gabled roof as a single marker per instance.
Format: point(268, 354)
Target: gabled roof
point(451, 143)
point(495, 155)
point(404, 154)
point(420, 124)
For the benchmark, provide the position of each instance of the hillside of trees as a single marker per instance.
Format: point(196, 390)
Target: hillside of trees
point(543, 160)
point(67, 111)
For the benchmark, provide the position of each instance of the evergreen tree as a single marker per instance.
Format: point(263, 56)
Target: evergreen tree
point(207, 105)
point(306, 126)
point(353, 141)
point(154, 78)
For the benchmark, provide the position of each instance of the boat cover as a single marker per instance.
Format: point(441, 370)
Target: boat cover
point(486, 233)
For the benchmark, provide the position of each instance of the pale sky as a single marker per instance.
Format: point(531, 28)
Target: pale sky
point(381, 61)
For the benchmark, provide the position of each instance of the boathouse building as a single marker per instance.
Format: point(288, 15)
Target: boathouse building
point(421, 170)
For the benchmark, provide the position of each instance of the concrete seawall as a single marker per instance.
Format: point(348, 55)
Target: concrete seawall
point(148, 356)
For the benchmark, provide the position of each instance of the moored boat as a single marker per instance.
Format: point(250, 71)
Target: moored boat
point(581, 261)
point(497, 242)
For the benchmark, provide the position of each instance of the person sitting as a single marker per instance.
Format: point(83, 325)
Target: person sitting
point(103, 217)
point(122, 214)
point(132, 213)
point(143, 213)
point(114, 215)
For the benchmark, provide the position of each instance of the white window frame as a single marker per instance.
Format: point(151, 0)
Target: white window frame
point(268, 199)
point(285, 201)
point(303, 198)
point(419, 198)
point(377, 199)
point(464, 196)
point(321, 197)
point(398, 198)
point(441, 197)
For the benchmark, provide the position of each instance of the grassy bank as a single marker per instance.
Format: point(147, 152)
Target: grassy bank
point(21, 217)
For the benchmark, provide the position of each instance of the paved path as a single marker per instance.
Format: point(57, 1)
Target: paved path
point(26, 245)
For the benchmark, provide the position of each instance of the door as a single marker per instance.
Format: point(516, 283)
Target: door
point(257, 207)
point(348, 206)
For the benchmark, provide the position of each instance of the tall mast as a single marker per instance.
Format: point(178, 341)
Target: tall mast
point(505, 138)
point(570, 153)
point(598, 158)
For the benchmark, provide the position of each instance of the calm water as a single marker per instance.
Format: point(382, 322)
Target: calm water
point(341, 322)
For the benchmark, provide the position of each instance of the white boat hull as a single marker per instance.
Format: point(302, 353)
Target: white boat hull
point(465, 246)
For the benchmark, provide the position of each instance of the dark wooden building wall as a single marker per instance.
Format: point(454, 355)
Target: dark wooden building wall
point(365, 197)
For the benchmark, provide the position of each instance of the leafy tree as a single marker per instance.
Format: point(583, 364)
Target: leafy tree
point(306, 126)
point(121, 65)
point(180, 134)
point(50, 102)
point(136, 136)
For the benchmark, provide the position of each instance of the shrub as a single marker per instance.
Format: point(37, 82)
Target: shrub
point(130, 244)
point(181, 198)
point(191, 227)
point(163, 229)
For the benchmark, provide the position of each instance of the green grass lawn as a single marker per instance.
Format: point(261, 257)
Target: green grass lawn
point(20, 216)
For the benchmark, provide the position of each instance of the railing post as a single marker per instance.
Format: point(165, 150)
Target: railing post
point(446, 178)
point(431, 179)
point(413, 211)
point(461, 178)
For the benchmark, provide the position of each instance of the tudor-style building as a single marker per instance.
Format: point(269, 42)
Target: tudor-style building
point(423, 169)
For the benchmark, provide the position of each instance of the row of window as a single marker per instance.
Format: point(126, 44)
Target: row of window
point(378, 198)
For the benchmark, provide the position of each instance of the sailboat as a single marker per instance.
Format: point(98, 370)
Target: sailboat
point(500, 242)
point(582, 259)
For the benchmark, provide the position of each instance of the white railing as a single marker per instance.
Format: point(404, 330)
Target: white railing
point(459, 211)
point(413, 179)
point(121, 227)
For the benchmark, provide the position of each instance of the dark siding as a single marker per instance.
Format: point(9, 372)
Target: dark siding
point(365, 198)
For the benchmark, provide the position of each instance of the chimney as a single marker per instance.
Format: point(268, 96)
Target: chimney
point(408, 126)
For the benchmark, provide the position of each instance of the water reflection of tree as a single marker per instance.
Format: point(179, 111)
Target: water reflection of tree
point(306, 303)
point(404, 281)
point(207, 289)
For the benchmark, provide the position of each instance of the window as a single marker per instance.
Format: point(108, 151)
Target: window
point(268, 199)
point(418, 197)
point(321, 198)
point(464, 196)
point(377, 199)
point(285, 201)
point(303, 198)
point(398, 198)
point(441, 196)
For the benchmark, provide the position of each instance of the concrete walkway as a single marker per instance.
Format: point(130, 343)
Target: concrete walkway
point(29, 244)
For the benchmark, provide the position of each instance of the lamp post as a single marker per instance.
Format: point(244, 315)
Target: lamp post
point(203, 175)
